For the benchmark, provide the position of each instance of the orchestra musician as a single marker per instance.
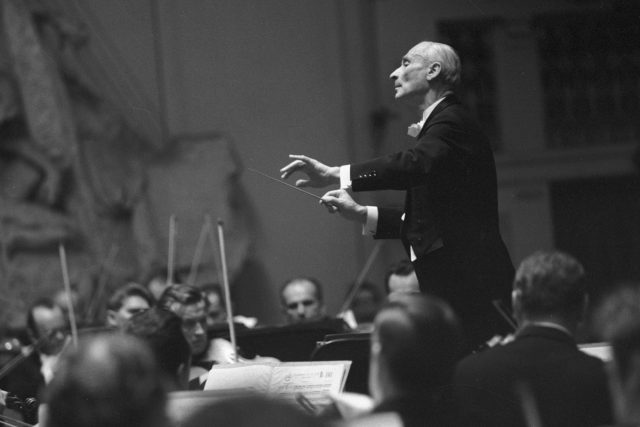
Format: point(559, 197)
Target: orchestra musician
point(109, 380)
point(542, 366)
point(302, 301)
point(125, 302)
point(188, 303)
point(48, 330)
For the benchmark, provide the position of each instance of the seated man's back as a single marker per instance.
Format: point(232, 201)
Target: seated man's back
point(568, 387)
point(541, 372)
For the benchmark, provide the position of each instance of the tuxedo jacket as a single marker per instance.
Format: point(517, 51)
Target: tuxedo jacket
point(569, 388)
point(25, 379)
point(449, 178)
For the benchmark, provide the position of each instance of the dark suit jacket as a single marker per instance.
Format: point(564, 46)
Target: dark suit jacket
point(568, 386)
point(25, 379)
point(449, 177)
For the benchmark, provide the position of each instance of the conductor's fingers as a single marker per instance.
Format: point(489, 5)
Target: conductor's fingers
point(330, 207)
point(333, 194)
point(291, 167)
point(301, 157)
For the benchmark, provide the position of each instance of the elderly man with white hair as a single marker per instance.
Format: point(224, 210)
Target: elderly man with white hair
point(449, 221)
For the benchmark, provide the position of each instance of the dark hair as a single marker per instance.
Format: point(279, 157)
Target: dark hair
point(110, 380)
point(162, 331)
point(368, 286)
point(315, 282)
point(31, 321)
point(401, 268)
point(130, 289)
point(181, 294)
point(368, 314)
point(420, 353)
point(160, 271)
point(550, 282)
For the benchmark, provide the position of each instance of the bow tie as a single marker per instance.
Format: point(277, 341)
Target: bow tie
point(414, 129)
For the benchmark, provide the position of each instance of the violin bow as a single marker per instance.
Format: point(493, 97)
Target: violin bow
point(360, 278)
point(197, 254)
point(67, 289)
point(227, 291)
point(171, 251)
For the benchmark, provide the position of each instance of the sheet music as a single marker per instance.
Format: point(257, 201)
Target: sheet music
point(314, 380)
point(240, 377)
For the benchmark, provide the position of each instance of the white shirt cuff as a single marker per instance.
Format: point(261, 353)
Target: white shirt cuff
point(345, 177)
point(369, 227)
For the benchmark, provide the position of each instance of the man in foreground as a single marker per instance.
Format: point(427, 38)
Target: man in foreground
point(540, 375)
point(415, 343)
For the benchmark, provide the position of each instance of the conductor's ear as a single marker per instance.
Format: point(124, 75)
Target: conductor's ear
point(434, 70)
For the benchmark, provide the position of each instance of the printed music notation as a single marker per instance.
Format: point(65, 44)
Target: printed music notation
point(287, 380)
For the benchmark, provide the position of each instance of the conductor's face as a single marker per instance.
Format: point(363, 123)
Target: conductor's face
point(410, 78)
point(301, 302)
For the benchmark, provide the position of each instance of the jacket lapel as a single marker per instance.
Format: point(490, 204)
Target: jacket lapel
point(448, 100)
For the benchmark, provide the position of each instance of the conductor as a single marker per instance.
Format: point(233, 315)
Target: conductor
point(449, 222)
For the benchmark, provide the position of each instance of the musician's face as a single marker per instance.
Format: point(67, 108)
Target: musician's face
point(194, 326)
point(51, 327)
point(301, 302)
point(216, 313)
point(131, 305)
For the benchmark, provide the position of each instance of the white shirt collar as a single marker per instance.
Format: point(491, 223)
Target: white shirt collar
point(415, 129)
point(48, 366)
point(427, 112)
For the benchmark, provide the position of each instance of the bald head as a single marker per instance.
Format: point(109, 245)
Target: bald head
point(302, 300)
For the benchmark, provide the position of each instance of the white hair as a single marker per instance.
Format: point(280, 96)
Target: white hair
point(448, 59)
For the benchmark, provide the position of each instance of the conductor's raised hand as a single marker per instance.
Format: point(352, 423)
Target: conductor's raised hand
point(340, 201)
point(318, 174)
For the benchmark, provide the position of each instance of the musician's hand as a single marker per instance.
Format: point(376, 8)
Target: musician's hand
point(497, 340)
point(318, 174)
point(340, 201)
